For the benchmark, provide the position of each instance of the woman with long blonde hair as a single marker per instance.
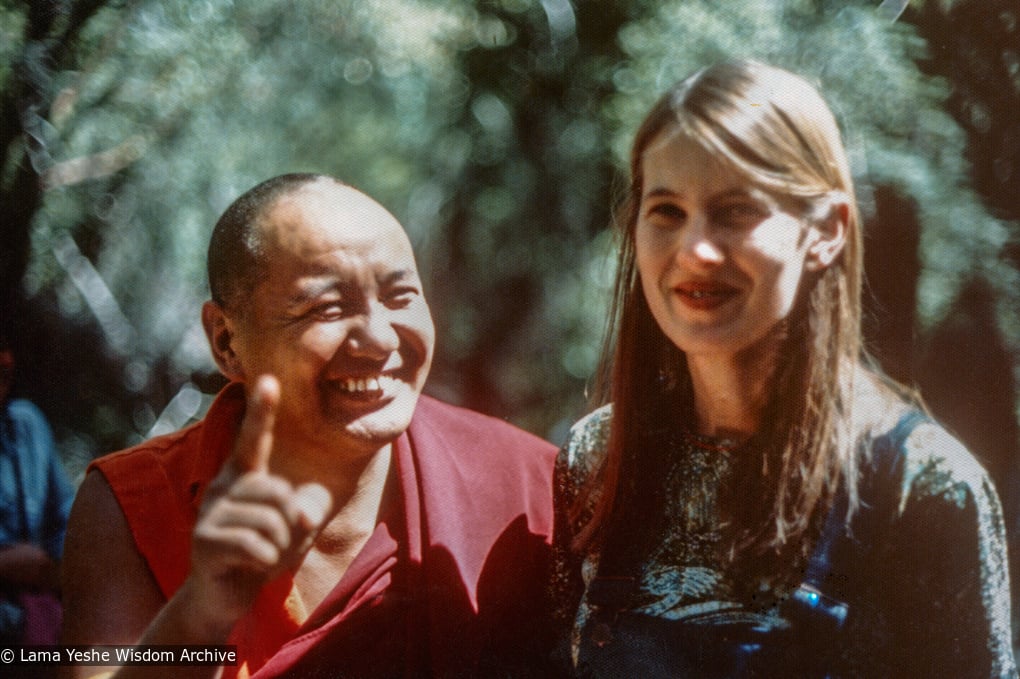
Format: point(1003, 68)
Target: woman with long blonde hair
point(751, 499)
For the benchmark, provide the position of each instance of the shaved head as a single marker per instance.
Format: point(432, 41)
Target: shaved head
point(236, 246)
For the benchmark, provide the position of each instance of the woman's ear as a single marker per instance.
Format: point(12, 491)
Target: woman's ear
point(222, 336)
point(829, 223)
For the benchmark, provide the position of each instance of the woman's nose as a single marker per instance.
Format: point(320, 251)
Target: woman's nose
point(699, 244)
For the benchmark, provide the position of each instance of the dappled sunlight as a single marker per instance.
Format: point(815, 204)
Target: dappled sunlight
point(496, 132)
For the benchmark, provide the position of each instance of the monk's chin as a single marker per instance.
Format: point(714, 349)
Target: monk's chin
point(376, 426)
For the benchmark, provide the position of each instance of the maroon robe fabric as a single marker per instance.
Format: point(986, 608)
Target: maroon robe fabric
point(450, 584)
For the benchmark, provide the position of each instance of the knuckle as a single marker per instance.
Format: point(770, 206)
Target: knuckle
point(259, 549)
point(257, 485)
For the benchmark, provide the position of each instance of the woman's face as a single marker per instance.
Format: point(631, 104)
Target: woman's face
point(720, 260)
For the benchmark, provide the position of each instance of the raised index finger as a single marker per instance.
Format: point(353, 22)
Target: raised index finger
point(255, 440)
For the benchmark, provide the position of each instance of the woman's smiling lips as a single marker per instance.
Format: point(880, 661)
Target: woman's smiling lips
point(705, 295)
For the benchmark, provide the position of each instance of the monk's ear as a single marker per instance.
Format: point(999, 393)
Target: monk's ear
point(221, 331)
point(829, 224)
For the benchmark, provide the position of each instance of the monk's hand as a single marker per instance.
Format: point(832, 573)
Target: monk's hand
point(252, 525)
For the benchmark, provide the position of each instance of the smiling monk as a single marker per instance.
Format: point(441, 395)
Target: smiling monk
point(324, 517)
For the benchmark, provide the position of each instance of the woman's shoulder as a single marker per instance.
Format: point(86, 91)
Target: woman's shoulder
point(930, 463)
point(583, 453)
point(937, 466)
point(585, 447)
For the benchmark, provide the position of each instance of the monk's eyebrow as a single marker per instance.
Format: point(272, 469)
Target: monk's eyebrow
point(315, 289)
point(398, 276)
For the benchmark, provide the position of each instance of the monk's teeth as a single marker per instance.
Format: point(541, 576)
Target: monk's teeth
point(365, 384)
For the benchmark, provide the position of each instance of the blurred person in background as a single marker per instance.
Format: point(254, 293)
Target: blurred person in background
point(35, 498)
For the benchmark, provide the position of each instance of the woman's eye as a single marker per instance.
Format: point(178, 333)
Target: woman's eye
point(667, 211)
point(740, 213)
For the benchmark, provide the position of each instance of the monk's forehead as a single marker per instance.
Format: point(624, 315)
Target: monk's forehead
point(325, 213)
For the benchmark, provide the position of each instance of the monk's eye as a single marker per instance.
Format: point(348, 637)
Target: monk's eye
point(400, 297)
point(328, 311)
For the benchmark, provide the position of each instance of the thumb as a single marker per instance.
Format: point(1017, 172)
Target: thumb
point(255, 440)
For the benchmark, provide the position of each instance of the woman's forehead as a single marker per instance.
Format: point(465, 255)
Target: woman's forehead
point(676, 150)
point(677, 157)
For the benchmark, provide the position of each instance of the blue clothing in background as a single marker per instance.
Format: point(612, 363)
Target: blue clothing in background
point(35, 495)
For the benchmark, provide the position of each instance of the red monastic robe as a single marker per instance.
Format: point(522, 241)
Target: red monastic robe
point(451, 583)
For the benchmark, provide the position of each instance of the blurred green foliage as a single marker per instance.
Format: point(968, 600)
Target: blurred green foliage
point(493, 129)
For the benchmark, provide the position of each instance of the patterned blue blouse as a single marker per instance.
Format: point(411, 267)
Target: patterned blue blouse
point(929, 598)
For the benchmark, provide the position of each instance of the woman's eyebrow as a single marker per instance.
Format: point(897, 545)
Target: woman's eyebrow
point(739, 192)
point(662, 192)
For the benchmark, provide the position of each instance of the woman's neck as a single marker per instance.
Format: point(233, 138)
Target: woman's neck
point(730, 391)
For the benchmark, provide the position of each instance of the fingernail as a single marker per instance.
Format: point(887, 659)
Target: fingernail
point(314, 503)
